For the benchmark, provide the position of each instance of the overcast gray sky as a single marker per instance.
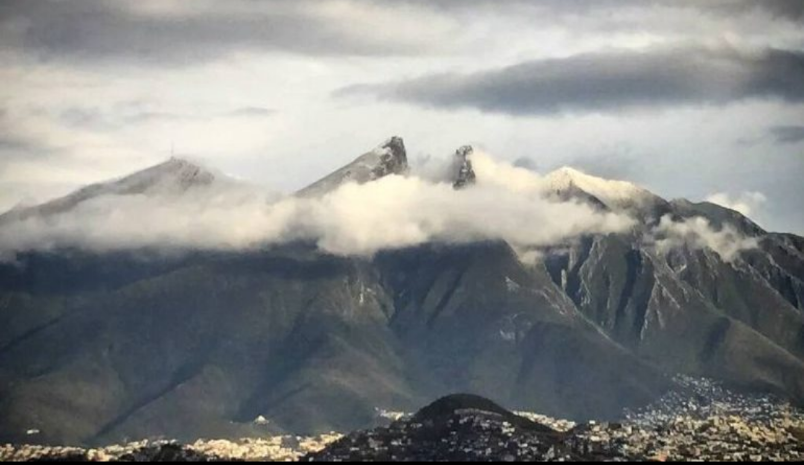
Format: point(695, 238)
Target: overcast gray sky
point(690, 99)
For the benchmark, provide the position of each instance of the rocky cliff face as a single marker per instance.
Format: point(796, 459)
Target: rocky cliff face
point(463, 173)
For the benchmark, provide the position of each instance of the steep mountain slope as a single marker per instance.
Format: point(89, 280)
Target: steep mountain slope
point(99, 347)
point(717, 215)
point(690, 309)
point(388, 158)
point(703, 317)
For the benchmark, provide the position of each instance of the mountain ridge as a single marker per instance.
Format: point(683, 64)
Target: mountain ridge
point(174, 176)
point(200, 343)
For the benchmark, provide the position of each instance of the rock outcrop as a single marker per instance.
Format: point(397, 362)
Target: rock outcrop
point(463, 173)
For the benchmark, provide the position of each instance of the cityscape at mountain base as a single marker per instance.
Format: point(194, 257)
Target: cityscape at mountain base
point(699, 421)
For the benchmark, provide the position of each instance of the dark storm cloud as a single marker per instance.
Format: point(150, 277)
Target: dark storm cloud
point(787, 134)
point(106, 30)
point(607, 81)
point(785, 9)
point(197, 32)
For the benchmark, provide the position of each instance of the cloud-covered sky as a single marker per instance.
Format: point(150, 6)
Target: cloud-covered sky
point(703, 100)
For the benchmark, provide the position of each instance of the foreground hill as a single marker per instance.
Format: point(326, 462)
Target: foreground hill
point(679, 428)
point(100, 347)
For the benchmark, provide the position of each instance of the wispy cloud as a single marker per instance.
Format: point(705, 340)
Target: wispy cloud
point(697, 233)
point(747, 203)
point(253, 112)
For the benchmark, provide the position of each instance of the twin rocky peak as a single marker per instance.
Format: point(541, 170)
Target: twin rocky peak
point(387, 159)
point(177, 176)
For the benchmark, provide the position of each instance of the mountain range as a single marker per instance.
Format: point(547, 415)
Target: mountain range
point(102, 346)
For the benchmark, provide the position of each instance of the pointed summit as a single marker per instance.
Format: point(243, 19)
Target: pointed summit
point(463, 173)
point(387, 159)
point(393, 158)
point(175, 173)
point(173, 176)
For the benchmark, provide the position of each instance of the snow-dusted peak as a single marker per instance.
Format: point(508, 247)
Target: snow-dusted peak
point(388, 158)
point(176, 174)
point(613, 193)
point(173, 177)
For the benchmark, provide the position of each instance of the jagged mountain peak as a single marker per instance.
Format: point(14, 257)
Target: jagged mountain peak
point(605, 311)
point(463, 173)
point(393, 158)
point(396, 145)
point(388, 158)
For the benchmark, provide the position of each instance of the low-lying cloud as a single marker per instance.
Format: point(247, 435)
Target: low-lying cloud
point(747, 203)
point(606, 81)
point(393, 212)
point(697, 233)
